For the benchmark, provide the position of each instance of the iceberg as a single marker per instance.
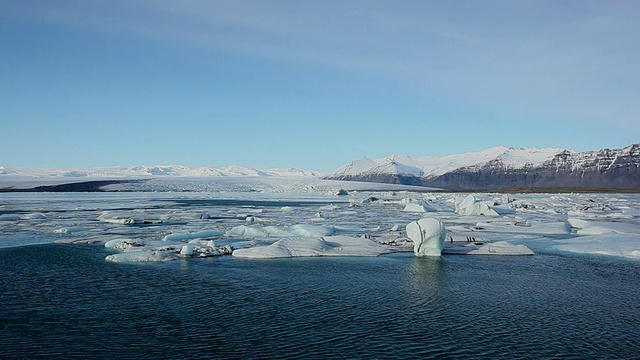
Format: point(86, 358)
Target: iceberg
point(144, 218)
point(71, 230)
point(415, 207)
point(314, 246)
point(137, 251)
point(298, 230)
point(586, 227)
point(122, 244)
point(603, 238)
point(143, 256)
point(471, 206)
point(190, 236)
point(428, 236)
point(494, 248)
point(610, 244)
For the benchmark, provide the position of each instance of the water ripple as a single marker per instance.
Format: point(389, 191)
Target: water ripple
point(66, 302)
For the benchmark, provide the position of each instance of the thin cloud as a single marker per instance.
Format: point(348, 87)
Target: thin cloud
point(558, 59)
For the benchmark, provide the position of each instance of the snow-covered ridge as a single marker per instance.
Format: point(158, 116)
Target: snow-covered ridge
point(428, 166)
point(153, 171)
point(504, 167)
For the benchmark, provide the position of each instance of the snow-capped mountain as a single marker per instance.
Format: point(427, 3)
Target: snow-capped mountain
point(501, 167)
point(152, 171)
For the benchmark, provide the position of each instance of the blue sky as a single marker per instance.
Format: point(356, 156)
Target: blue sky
point(311, 84)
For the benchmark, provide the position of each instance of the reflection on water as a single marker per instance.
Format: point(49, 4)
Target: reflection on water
point(425, 278)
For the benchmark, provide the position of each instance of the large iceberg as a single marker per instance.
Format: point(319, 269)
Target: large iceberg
point(314, 246)
point(299, 230)
point(428, 236)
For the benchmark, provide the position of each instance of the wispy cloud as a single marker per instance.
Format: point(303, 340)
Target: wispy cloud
point(571, 59)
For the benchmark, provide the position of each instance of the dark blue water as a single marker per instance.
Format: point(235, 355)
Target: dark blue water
point(65, 301)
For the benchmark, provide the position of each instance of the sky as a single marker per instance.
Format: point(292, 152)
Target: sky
point(311, 84)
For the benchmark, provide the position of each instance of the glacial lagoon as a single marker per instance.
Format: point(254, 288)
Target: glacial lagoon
point(577, 297)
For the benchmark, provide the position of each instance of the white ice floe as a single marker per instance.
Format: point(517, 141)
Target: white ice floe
point(314, 246)
point(603, 238)
point(145, 218)
point(205, 234)
point(137, 251)
point(471, 206)
point(493, 248)
point(122, 244)
point(143, 256)
point(522, 226)
point(71, 230)
point(611, 243)
point(34, 216)
point(415, 207)
point(298, 230)
point(587, 227)
point(428, 236)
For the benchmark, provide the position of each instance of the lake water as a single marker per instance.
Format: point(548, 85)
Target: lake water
point(65, 301)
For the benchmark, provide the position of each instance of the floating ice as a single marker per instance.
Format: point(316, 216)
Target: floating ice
point(34, 216)
point(586, 227)
point(122, 244)
point(299, 230)
point(186, 250)
point(144, 218)
point(314, 246)
point(196, 235)
point(135, 251)
point(143, 256)
point(415, 207)
point(518, 226)
point(603, 238)
point(493, 248)
point(70, 230)
point(247, 232)
point(428, 236)
point(611, 244)
point(471, 206)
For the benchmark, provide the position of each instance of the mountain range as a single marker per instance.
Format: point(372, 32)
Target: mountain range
point(503, 167)
point(153, 170)
point(491, 169)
